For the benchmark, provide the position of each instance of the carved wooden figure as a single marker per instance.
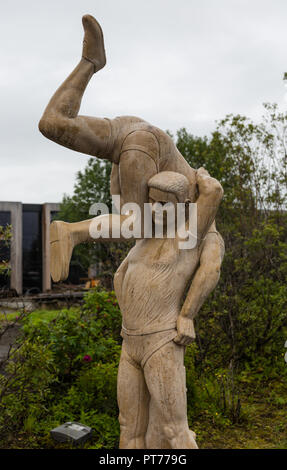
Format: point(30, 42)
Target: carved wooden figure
point(151, 282)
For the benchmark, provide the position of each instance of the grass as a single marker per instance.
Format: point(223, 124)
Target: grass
point(34, 318)
point(44, 316)
point(266, 428)
point(263, 422)
point(263, 425)
point(9, 316)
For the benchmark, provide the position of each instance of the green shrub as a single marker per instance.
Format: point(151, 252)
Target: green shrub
point(64, 368)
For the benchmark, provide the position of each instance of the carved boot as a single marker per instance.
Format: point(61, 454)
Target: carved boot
point(93, 43)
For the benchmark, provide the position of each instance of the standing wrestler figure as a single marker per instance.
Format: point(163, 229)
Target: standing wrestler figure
point(150, 286)
point(138, 152)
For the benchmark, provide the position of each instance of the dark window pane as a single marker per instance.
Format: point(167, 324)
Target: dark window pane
point(32, 250)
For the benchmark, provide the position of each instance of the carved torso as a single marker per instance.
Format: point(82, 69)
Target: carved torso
point(151, 281)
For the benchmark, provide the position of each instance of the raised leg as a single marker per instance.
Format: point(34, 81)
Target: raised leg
point(60, 121)
point(138, 163)
point(133, 402)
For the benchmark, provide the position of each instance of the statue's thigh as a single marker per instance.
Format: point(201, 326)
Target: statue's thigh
point(136, 168)
point(133, 397)
point(138, 163)
point(166, 382)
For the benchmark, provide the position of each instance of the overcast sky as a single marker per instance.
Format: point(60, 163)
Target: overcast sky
point(182, 63)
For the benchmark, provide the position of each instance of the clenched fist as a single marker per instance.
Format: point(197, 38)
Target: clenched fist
point(185, 331)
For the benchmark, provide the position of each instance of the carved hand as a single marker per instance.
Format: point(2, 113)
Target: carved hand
point(185, 330)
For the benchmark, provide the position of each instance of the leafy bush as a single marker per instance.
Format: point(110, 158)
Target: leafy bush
point(75, 336)
point(65, 368)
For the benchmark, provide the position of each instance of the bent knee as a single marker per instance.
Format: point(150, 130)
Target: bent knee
point(51, 128)
point(44, 126)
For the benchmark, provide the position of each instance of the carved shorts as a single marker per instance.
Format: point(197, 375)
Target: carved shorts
point(139, 348)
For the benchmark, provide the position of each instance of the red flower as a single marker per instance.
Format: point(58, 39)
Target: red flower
point(87, 358)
